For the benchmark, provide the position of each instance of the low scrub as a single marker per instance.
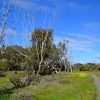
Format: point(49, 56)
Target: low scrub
point(2, 74)
point(32, 78)
point(22, 95)
point(15, 80)
point(65, 81)
point(62, 86)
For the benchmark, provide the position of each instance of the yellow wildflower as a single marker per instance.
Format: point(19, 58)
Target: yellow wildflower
point(82, 75)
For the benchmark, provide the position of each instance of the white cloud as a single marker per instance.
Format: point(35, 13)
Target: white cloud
point(84, 42)
point(65, 5)
point(89, 38)
point(59, 4)
point(83, 50)
point(28, 4)
point(8, 31)
point(98, 56)
point(79, 43)
point(95, 25)
point(78, 7)
point(83, 46)
point(74, 5)
point(57, 39)
point(79, 35)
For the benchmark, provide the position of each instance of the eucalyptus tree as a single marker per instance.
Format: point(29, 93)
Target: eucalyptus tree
point(38, 41)
point(41, 47)
point(64, 47)
point(13, 58)
point(27, 20)
point(56, 58)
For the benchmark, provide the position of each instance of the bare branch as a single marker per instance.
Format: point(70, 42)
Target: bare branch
point(4, 21)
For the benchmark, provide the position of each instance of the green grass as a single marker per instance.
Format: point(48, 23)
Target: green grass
point(62, 86)
point(96, 73)
point(4, 84)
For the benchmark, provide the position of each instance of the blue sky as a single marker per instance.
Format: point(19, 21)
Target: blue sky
point(78, 22)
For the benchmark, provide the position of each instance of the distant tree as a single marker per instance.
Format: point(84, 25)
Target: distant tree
point(64, 47)
point(3, 65)
point(55, 59)
point(86, 67)
point(13, 58)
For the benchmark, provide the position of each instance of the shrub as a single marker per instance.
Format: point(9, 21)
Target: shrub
point(15, 80)
point(99, 69)
point(48, 78)
point(26, 96)
point(2, 74)
point(26, 73)
point(22, 95)
point(32, 78)
point(3, 65)
point(45, 71)
point(64, 81)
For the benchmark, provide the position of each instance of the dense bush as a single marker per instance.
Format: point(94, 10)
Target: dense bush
point(22, 95)
point(99, 68)
point(2, 74)
point(87, 67)
point(3, 65)
point(45, 71)
point(32, 78)
point(15, 80)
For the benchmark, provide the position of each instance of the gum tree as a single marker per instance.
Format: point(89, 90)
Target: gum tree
point(66, 62)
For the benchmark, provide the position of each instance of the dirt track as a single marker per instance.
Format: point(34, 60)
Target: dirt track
point(97, 82)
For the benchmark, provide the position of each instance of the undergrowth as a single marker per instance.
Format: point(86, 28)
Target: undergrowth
point(62, 86)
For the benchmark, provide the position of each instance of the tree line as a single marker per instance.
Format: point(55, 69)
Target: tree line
point(87, 67)
point(54, 58)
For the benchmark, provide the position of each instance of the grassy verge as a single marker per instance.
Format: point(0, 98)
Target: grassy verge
point(62, 86)
point(4, 87)
point(96, 73)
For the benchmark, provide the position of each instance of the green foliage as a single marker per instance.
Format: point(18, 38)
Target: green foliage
point(45, 71)
point(22, 95)
point(3, 65)
point(2, 74)
point(32, 78)
point(64, 81)
point(62, 86)
point(98, 68)
point(96, 73)
point(49, 79)
point(41, 39)
point(38, 37)
point(87, 67)
point(15, 80)
point(12, 59)
point(5, 94)
point(26, 73)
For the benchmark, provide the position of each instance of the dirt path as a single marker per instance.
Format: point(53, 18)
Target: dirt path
point(97, 82)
